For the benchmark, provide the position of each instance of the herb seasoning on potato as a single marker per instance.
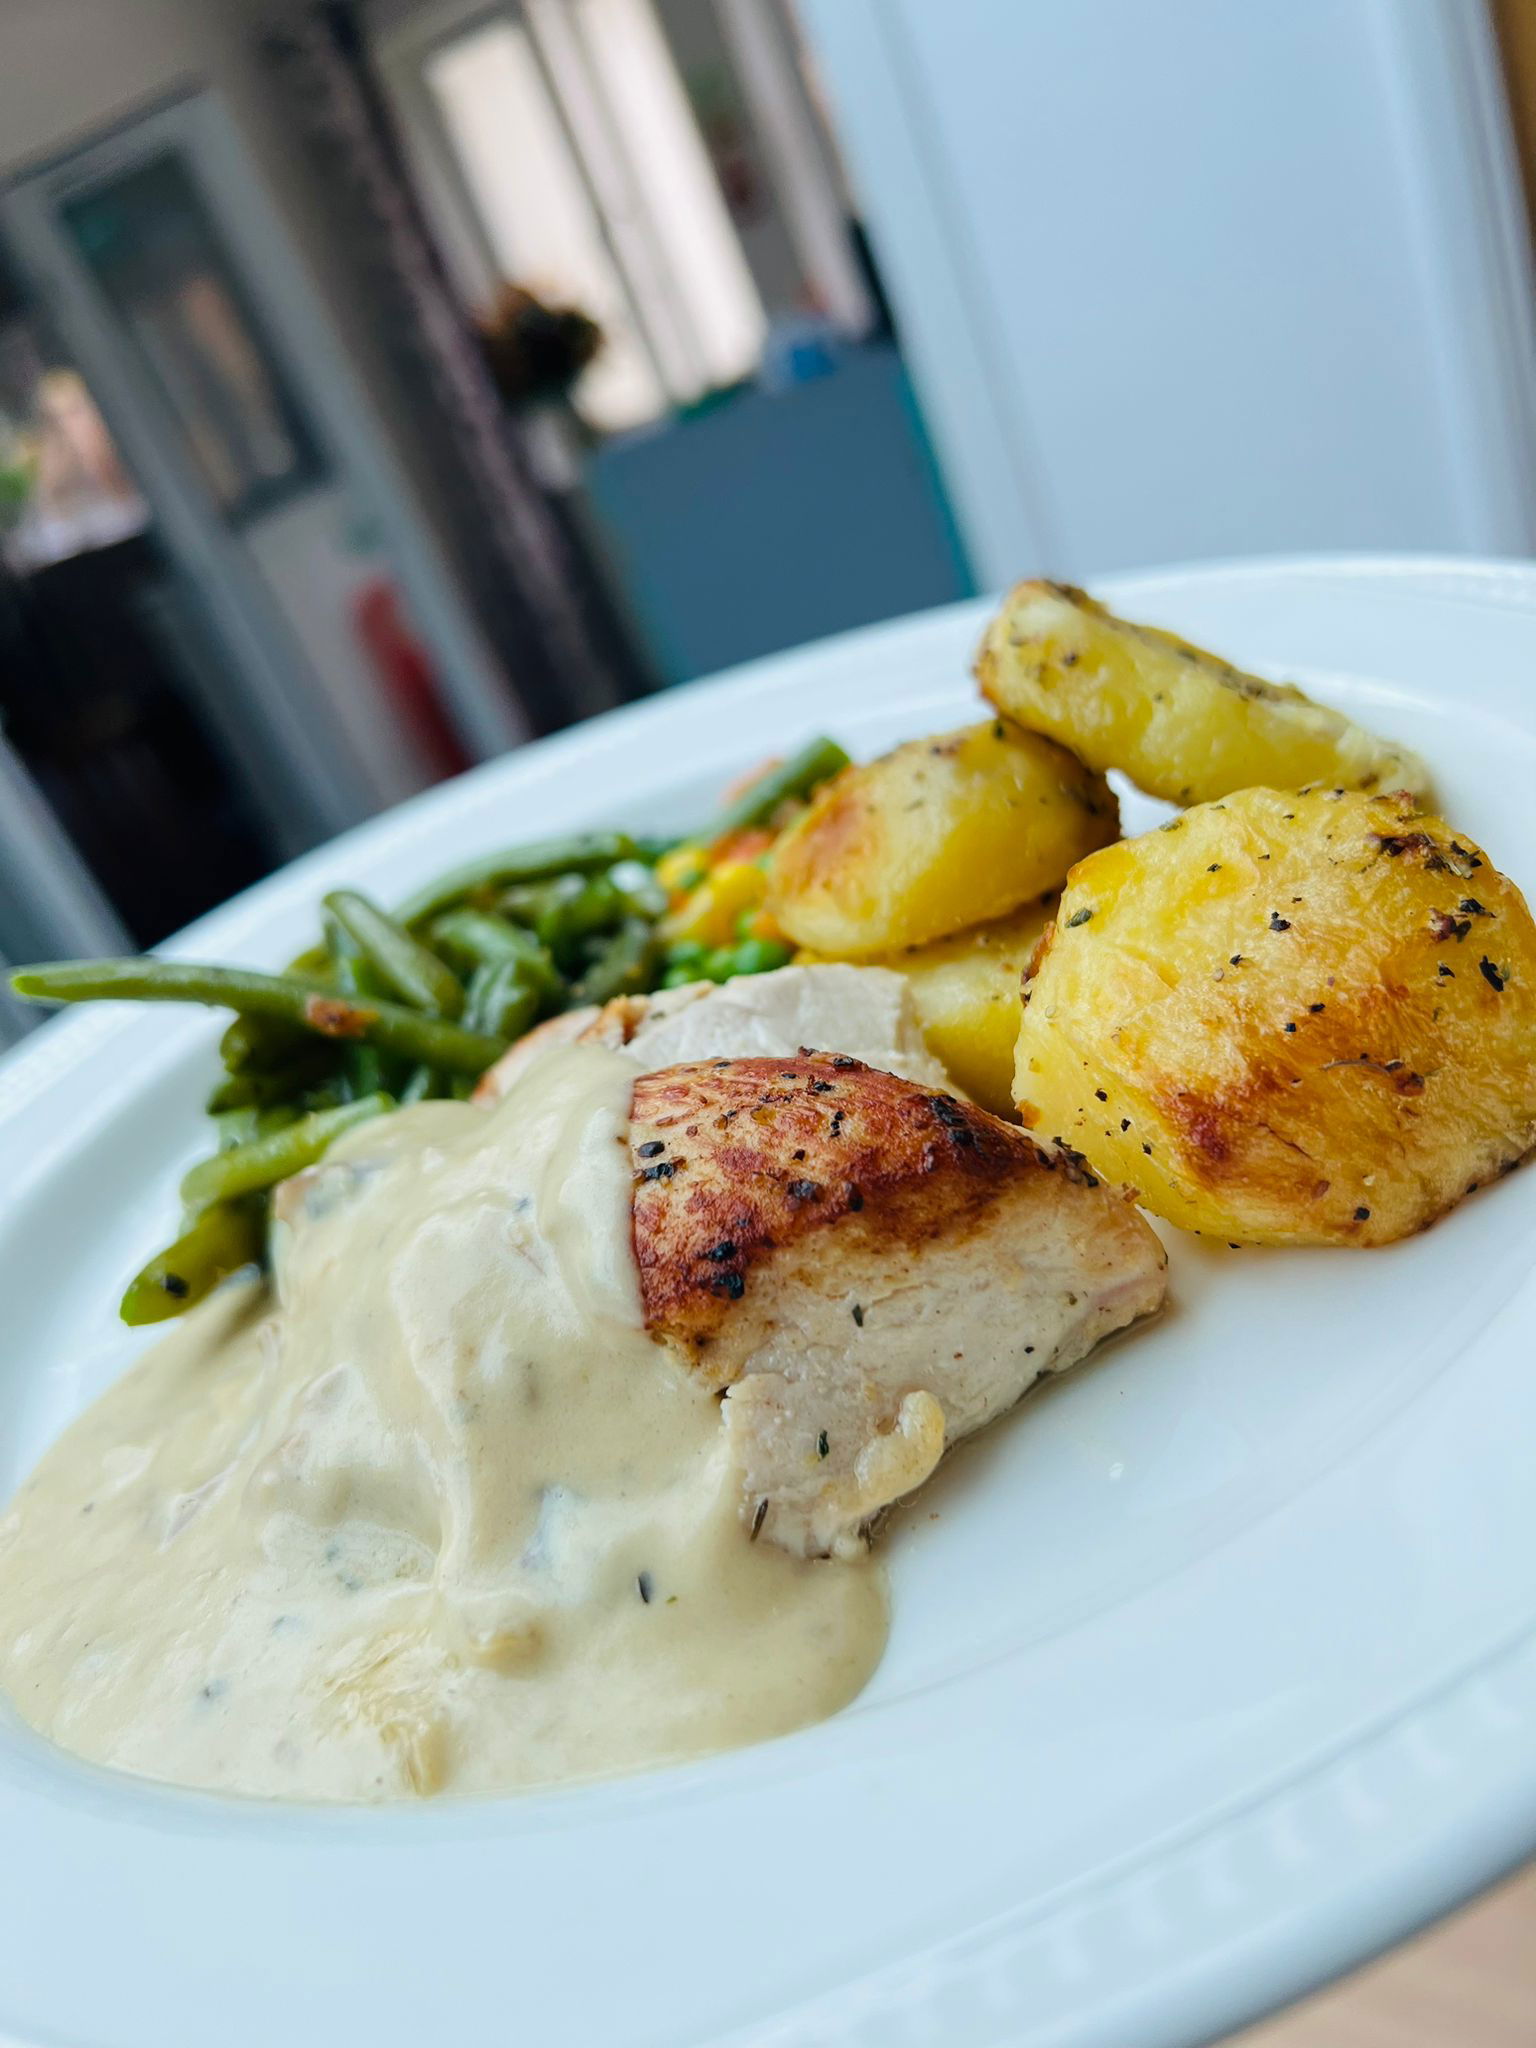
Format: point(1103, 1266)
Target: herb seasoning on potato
point(1277, 1023)
point(1184, 725)
point(938, 835)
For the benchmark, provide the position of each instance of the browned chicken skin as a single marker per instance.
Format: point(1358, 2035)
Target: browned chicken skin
point(867, 1270)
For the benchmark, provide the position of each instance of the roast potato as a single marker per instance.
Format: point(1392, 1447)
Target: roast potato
point(965, 990)
point(941, 834)
point(1182, 724)
point(1288, 1019)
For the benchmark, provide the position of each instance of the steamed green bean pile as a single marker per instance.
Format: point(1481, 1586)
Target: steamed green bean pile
point(392, 1008)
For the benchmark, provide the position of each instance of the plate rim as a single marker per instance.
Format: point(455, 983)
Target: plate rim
point(1423, 1869)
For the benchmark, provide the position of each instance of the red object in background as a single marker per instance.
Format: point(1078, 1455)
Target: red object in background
point(401, 664)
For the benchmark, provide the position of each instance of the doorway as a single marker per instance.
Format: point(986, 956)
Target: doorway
point(104, 661)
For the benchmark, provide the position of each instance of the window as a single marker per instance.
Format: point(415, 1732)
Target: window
point(574, 141)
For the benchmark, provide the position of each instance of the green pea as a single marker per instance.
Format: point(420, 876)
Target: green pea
point(761, 956)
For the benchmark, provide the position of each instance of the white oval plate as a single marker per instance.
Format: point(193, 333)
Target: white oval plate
point(1212, 1671)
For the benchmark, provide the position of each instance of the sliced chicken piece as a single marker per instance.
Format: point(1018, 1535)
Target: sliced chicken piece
point(866, 1011)
point(867, 1270)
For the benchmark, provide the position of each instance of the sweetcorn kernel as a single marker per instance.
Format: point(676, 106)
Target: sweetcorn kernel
point(683, 868)
point(709, 913)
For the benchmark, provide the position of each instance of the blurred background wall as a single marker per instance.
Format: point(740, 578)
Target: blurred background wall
point(385, 381)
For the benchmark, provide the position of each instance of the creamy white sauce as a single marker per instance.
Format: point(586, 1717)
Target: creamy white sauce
point(439, 1517)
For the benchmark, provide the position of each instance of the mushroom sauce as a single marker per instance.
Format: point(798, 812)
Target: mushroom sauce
point(432, 1513)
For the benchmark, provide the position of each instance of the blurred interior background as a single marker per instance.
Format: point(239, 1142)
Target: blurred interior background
point(383, 382)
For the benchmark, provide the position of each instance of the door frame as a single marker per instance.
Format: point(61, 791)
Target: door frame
point(305, 751)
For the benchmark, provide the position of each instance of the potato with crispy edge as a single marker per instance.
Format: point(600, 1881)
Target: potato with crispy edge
point(940, 834)
point(1182, 724)
point(1288, 1019)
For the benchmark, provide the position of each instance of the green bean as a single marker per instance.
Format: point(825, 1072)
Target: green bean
point(263, 1043)
point(234, 1126)
point(816, 762)
point(407, 968)
point(258, 1043)
point(256, 1089)
point(362, 1065)
point(150, 980)
point(239, 1126)
point(422, 1084)
point(329, 1094)
point(627, 965)
point(313, 964)
point(639, 891)
point(477, 880)
point(576, 908)
point(224, 1238)
point(265, 1161)
point(502, 999)
point(650, 849)
point(476, 938)
point(527, 902)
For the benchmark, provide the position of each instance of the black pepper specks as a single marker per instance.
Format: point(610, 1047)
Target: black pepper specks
point(858, 1314)
point(804, 1190)
point(1362, 1215)
point(760, 1515)
point(1289, 1027)
point(822, 1445)
point(649, 1149)
point(1316, 1008)
point(1099, 1095)
point(1214, 868)
point(1491, 974)
point(726, 1249)
point(662, 1170)
point(644, 1586)
point(953, 1118)
point(1078, 917)
point(855, 1197)
point(1277, 923)
point(175, 1286)
point(1236, 960)
point(731, 1285)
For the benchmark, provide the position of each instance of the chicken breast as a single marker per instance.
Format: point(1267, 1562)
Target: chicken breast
point(866, 1270)
point(866, 1011)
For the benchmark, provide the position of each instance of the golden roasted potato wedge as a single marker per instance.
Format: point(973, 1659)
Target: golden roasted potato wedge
point(965, 990)
point(1182, 724)
point(938, 835)
point(1288, 1019)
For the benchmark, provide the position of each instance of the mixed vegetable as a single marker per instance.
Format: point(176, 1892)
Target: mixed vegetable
point(393, 1008)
